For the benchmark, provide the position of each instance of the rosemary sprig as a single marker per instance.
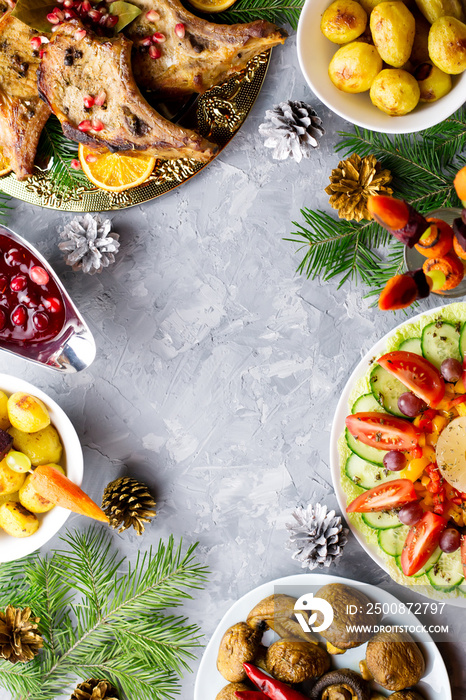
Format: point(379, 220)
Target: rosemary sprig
point(103, 618)
point(423, 168)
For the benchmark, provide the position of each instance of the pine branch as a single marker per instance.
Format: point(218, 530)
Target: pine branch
point(278, 11)
point(423, 168)
point(57, 152)
point(118, 629)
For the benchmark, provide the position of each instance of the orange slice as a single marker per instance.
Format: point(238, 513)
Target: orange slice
point(115, 172)
point(5, 166)
point(212, 5)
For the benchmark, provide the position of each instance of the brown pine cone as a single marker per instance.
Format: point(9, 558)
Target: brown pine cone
point(129, 503)
point(19, 639)
point(94, 689)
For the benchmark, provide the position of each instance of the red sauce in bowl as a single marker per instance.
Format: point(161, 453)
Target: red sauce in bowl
point(31, 305)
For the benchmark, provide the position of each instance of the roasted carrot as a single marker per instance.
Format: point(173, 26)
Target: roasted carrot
point(399, 292)
point(437, 241)
point(57, 488)
point(450, 265)
point(398, 217)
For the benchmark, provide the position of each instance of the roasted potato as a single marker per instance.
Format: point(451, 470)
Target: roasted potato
point(354, 67)
point(433, 82)
point(393, 27)
point(42, 447)
point(396, 92)
point(369, 5)
point(27, 413)
point(10, 481)
point(447, 45)
point(33, 501)
point(434, 9)
point(16, 520)
point(343, 21)
point(4, 418)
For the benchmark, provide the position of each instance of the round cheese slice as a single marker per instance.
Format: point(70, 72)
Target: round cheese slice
point(451, 453)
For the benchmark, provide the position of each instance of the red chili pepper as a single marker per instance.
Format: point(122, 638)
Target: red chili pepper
point(425, 424)
point(251, 695)
point(273, 689)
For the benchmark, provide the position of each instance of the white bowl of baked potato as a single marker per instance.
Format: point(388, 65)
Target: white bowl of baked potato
point(316, 51)
point(54, 442)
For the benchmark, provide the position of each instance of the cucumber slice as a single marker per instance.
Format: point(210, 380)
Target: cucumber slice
point(463, 340)
point(427, 566)
point(447, 573)
point(370, 454)
point(365, 474)
point(382, 520)
point(411, 345)
point(366, 404)
point(392, 540)
point(387, 389)
point(441, 340)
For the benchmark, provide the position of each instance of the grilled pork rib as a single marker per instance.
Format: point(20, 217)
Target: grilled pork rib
point(77, 64)
point(22, 113)
point(194, 54)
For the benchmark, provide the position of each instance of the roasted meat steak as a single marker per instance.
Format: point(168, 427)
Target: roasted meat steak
point(194, 54)
point(22, 113)
point(76, 64)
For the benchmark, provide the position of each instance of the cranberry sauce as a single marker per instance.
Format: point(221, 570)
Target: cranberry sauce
point(31, 305)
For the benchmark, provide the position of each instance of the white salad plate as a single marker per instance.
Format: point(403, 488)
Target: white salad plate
point(434, 685)
point(12, 548)
point(338, 428)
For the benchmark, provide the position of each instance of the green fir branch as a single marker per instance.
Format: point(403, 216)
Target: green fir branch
point(278, 11)
point(423, 167)
point(57, 152)
point(101, 617)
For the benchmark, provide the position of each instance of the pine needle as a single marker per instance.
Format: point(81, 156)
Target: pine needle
point(57, 152)
point(423, 168)
point(103, 618)
point(278, 11)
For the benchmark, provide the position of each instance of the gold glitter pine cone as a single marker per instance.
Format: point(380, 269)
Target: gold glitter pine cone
point(95, 689)
point(353, 182)
point(129, 503)
point(19, 639)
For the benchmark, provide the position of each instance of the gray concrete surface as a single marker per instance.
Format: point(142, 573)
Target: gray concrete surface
point(218, 369)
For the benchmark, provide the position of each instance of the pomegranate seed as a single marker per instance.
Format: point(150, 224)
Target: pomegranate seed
point(75, 164)
point(101, 98)
point(86, 6)
point(85, 126)
point(91, 158)
point(52, 304)
point(154, 52)
point(158, 38)
point(13, 257)
point(68, 4)
point(88, 101)
point(180, 30)
point(112, 20)
point(147, 41)
point(52, 18)
point(18, 283)
point(59, 13)
point(94, 15)
point(2, 320)
point(97, 125)
point(43, 40)
point(80, 34)
point(152, 16)
point(19, 315)
point(70, 14)
point(39, 275)
point(41, 320)
point(36, 42)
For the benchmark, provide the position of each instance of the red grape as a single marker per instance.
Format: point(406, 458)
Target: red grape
point(411, 513)
point(450, 540)
point(411, 405)
point(451, 370)
point(394, 461)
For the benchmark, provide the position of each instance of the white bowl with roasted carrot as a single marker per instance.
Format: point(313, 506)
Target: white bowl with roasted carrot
point(398, 453)
point(41, 469)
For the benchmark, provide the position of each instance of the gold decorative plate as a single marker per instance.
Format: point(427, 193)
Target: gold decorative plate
point(217, 114)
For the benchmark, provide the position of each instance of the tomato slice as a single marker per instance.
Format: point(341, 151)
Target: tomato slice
point(382, 431)
point(421, 542)
point(392, 494)
point(416, 373)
